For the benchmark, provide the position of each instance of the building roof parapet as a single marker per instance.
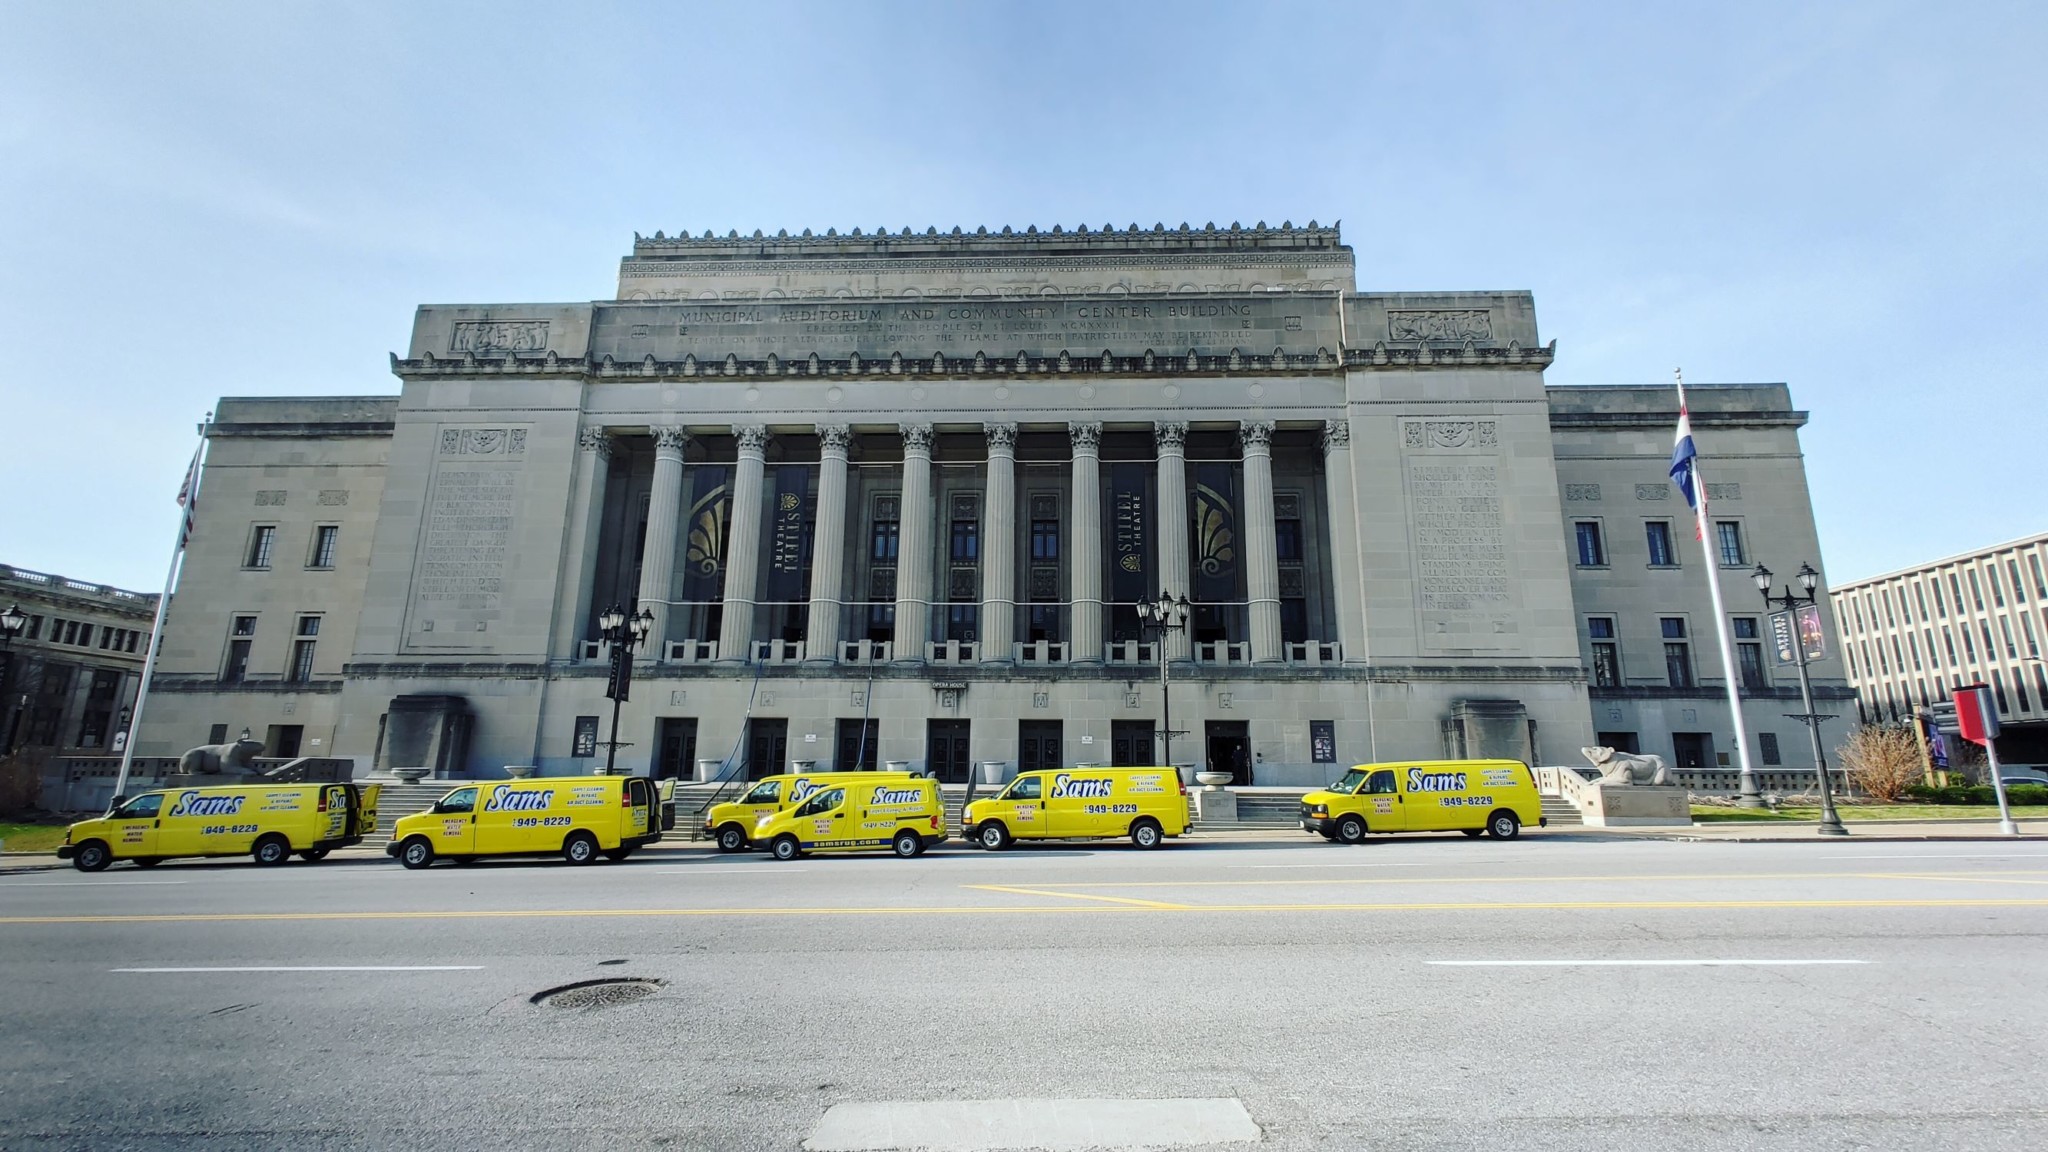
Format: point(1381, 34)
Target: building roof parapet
point(2038, 539)
point(304, 416)
point(50, 586)
point(981, 363)
point(882, 244)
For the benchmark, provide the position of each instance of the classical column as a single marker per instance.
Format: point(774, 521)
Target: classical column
point(1084, 570)
point(914, 544)
point(999, 544)
point(743, 551)
point(828, 546)
point(1261, 550)
point(658, 557)
point(1171, 441)
point(573, 609)
point(1345, 563)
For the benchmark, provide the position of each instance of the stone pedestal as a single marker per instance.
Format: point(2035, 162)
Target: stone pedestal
point(707, 770)
point(1215, 806)
point(1636, 806)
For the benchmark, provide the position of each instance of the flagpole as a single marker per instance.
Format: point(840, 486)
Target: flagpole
point(1747, 794)
point(163, 602)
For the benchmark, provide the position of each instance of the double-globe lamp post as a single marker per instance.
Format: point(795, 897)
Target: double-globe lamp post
point(622, 634)
point(1791, 602)
point(1167, 614)
point(12, 621)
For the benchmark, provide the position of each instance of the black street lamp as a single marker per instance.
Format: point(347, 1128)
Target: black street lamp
point(622, 634)
point(12, 621)
point(1791, 602)
point(1166, 614)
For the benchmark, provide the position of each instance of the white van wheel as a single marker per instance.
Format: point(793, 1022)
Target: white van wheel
point(732, 838)
point(1503, 824)
point(92, 856)
point(1145, 834)
point(994, 836)
point(907, 844)
point(579, 848)
point(1351, 830)
point(416, 854)
point(272, 850)
point(784, 848)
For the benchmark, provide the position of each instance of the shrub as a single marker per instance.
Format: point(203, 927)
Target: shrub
point(21, 782)
point(1979, 794)
point(1883, 760)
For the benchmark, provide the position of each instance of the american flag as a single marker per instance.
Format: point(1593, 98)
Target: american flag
point(188, 497)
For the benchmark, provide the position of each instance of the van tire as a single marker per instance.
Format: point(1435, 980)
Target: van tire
point(1503, 824)
point(272, 850)
point(907, 844)
point(785, 848)
point(1351, 829)
point(618, 854)
point(579, 848)
point(147, 861)
point(1146, 834)
point(732, 838)
point(416, 853)
point(993, 836)
point(312, 854)
point(92, 856)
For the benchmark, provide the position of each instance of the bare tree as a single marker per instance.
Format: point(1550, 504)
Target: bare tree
point(1882, 760)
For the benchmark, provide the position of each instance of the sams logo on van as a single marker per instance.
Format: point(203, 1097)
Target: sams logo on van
point(801, 789)
point(1420, 781)
point(897, 796)
point(193, 804)
point(1065, 787)
point(505, 798)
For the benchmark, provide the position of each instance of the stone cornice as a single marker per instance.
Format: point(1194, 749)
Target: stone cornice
point(882, 244)
point(1423, 354)
point(1669, 420)
point(1390, 673)
point(197, 682)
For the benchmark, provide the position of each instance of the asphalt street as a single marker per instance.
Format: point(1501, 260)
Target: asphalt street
point(1426, 993)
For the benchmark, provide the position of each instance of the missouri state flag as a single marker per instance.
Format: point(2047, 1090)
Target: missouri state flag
point(188, 496)
point(1684, 470)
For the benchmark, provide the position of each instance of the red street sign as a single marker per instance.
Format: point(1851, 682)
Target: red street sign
point(1976, 713)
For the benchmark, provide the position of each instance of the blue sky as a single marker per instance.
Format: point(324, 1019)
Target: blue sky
point(201, 200)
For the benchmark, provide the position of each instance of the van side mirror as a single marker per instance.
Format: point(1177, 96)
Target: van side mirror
point(114, 804)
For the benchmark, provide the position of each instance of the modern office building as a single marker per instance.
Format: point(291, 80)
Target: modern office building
point(897, 496)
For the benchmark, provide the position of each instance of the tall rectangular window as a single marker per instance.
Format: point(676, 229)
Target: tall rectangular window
point(1997, 585)
point(2019, 586)
point(1955, 587)
point(2027, 626)
point(882, 540)
point(2005, 626)
point(1657, 533)
point(1920, 598)
point(2040, 581)
point(1940, 606)
point(240, 636)
point(1976, 590)
point(1884, 597)
point(85, 635)
point(302, 649)
point(1677, 653)
point(1767, 743)
point(1749, 652)
point(323, 546)
point(1728, 536)
point(1606, 653)
point(261, 539)
point(1592, 552)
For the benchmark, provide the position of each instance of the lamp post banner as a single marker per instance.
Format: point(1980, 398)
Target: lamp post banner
point(1784, 638)
point(1811, 638)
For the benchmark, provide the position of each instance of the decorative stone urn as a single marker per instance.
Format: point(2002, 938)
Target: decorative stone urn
point(411, 775)
point(1212, 780)
point(521, 771)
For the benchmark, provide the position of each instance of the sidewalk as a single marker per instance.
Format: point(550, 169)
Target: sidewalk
point(1777, 831)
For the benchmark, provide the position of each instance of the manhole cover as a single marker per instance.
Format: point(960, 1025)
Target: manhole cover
point(597, 993)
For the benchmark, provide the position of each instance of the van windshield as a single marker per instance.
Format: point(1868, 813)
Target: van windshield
point(148, 805)
point(767, 793)
point(1350, 782)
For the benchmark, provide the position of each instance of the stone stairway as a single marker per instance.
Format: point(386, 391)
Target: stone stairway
point(396, 799)
point(1559, 812)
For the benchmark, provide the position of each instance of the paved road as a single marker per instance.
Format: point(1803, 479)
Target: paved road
point(1411, 994)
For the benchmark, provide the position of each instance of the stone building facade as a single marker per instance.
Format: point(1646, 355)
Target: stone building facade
point(894, 497)
point(1913, 636)
point(68, 680)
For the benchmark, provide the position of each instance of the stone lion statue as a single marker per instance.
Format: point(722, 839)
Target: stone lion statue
point(1629, 768)
point(235, 759)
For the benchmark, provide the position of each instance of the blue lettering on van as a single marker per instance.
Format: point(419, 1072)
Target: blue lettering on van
point(505, 798)
point(898, 795)
point(1066, 787)
point(1420, 781)
point(193, 804)
point(800, 789)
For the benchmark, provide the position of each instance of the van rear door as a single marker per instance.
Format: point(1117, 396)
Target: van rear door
point(642, 817)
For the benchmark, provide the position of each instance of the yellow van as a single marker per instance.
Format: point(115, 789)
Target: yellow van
point(904, 814)
point(1469, 796)
point(729, 824)
point(1146, 804)
point(268, 822)
point(578, 816)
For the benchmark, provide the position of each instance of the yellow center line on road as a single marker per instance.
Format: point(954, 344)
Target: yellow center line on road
point(1080, 896)
point(1976, 879)
point(1001, 910)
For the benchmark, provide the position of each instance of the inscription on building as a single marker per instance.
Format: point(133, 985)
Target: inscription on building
point(462, 557)
point(1166, 326)
point(1440, 327)
point(499, 336)
point(1464, 589)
